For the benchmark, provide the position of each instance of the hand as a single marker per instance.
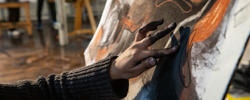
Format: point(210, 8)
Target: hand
point(138, 57)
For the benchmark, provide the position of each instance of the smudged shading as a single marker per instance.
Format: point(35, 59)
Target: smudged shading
point(167, 81)
point(168, 73)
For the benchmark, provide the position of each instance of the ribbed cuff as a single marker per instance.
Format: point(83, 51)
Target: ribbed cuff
point(91, 82)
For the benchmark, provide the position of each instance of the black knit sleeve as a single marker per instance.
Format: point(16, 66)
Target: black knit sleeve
point(87, 83)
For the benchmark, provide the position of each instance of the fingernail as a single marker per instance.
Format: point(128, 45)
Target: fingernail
point(172, 25)
point(174, 48)
point(152, 61)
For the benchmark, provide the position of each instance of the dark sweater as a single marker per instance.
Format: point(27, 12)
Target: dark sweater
point(87, 83)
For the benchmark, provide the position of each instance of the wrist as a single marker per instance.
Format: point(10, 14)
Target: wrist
point(113, 71)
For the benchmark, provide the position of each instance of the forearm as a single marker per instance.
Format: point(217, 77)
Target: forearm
point(91, 82)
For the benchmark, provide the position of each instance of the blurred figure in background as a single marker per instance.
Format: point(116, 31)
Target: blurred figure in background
point(52, 10)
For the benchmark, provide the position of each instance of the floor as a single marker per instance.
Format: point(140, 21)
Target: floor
point(31, 57)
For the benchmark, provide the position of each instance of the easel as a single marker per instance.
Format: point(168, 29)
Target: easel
point(79, 4)
point(26, 24)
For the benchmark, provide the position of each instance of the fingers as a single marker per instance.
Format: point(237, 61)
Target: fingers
point(151, 39)
point(143, 66)
point(150, 60)
point(157, 52)
point(149, 27)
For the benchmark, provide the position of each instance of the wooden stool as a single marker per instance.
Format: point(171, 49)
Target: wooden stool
point(79, 4)
point(23, 24)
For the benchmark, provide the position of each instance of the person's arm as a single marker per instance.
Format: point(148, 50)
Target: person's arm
point(89, 83)
point(104, 80)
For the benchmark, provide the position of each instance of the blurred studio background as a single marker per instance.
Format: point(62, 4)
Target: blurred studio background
point(33, 38)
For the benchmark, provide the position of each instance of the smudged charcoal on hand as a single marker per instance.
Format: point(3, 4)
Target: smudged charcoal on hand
point(151, 26)
point(154, 37)
point(161, 53)
point(158, 53)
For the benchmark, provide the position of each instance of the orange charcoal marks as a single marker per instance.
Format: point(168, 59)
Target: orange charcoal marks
point(130, 24)
point(98, 37)
point(102, 52)
point(95, 45)
point(207, 25)
point(127, 22)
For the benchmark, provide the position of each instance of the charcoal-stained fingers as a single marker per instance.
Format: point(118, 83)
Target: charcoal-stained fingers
point(152, 38)
point(157, 53)
point(149, 27)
